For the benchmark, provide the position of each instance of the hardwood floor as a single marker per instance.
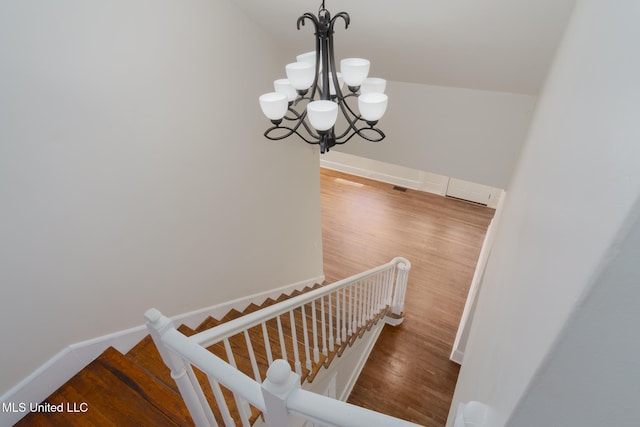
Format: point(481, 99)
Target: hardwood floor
point(366, 223)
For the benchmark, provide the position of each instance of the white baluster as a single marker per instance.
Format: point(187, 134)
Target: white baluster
point(380, 283)
point(376, 294)
point(338, 334)
point(306, 339)
point(316, 350)
point(294, 342)
point(381, 291)
point(323, 325)
point(203, 400)
point(367, 298)
point(350, 326)
point(221, 402)
point(345, 319)
point(366, 290)
point(383, 282)
point(360, 303)
point(243, 406)
point(365, 301)
point(243, 410)
point(283, 347)
point(227, 348)
point(267, 343)
point(367, 304)
point(356, 306)
point(372, 298)
point(252, 356)
point(331, 339)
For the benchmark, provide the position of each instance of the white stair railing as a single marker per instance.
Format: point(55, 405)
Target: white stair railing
point(338, 312)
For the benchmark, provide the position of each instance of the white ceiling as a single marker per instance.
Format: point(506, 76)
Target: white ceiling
point(501, 45)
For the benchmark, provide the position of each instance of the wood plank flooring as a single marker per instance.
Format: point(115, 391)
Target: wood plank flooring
point(366, 223)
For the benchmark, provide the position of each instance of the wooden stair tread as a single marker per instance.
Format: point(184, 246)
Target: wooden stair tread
point(156, 392)
point(208, 323)
point(117, 392)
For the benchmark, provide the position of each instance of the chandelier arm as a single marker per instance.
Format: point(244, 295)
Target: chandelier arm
point(344, 16)
point(336, 142)
point(346, 105)
point(362, 135)
point(358, 131)
point(288, 134)
point(351, 118)
point(295, 113)
point(315, 79)
point(311, 17)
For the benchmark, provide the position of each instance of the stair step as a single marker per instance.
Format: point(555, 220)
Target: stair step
point(116, 391)
point(231, 315)
point(251, 308)
point(208, 323)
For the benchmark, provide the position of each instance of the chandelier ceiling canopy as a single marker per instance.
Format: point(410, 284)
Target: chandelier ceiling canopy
point(301, 105)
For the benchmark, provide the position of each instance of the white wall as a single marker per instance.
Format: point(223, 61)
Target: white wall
point(132, 170)
point(560, 263)
point(592, 376)
point(468, 134)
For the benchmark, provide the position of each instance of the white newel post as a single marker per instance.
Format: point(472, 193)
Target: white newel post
point(157, 324)
point(397, 308)
point(280, 382)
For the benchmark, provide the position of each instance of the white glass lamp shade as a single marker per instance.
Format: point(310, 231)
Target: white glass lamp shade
point(322, 114)
point(309, 57)
point(354, 71)
point(301, 74)
point(372, 106)
point(274, 105)
point(373, 84)
point(285, 87)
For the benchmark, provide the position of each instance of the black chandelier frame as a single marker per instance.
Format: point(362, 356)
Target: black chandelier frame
point(324, 30)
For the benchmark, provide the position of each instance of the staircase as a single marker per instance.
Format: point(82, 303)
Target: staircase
point(137, 388)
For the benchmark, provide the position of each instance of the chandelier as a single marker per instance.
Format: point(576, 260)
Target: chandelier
point(314, 81)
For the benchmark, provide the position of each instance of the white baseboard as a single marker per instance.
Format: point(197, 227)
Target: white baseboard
point(378, 176)
point(351, 382)
point(414, 179)
point(59, 369)
point(386, 172)
point(457, 356)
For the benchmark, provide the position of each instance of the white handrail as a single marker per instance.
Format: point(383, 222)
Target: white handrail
point(235, 326)
point(212, 365)
point(323, 409)
point(386, 283)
